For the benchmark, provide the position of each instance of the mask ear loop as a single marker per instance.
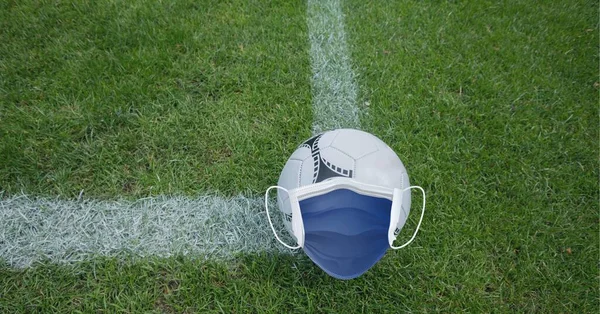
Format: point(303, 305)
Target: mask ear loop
point(420, 220)
point(269, 216)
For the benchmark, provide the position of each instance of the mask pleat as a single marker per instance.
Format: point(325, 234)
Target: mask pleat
point(345, 232)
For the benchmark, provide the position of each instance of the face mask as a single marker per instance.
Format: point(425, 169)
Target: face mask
point(345, 226)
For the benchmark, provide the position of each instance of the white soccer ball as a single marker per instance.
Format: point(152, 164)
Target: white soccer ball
point(342, 153)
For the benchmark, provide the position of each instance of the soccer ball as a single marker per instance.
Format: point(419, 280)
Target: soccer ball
point(342, 153)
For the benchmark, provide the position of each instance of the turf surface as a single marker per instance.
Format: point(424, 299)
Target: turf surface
point(135, 99)
point(493, 107)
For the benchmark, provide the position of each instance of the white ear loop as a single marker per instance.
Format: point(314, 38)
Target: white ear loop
point(269, 216)
point(420, 220)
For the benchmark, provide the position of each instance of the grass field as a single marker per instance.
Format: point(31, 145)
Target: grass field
point(492, 106)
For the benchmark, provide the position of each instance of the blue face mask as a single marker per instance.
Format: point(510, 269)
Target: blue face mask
point(345, 226)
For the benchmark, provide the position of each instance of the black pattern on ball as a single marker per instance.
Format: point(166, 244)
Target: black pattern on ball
point(323, 169)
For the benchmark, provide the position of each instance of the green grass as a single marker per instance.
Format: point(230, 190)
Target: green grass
point(136, 99)
point(493, 107)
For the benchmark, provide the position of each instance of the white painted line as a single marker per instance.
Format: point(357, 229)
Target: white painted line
point(333, 82)
point(66, 231)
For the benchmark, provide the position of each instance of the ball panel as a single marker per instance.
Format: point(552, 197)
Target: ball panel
point(344, 152)
point(288, 179)
point(327, 138)
point(286, 208)
point(300, 153)
point(382, 168)
point(337, 160)
point(355, 143)
point(289, 175)
point(307, 171)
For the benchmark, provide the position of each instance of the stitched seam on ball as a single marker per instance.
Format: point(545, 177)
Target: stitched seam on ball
point(337, 132)
point(343, 153)
point(367, 154)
